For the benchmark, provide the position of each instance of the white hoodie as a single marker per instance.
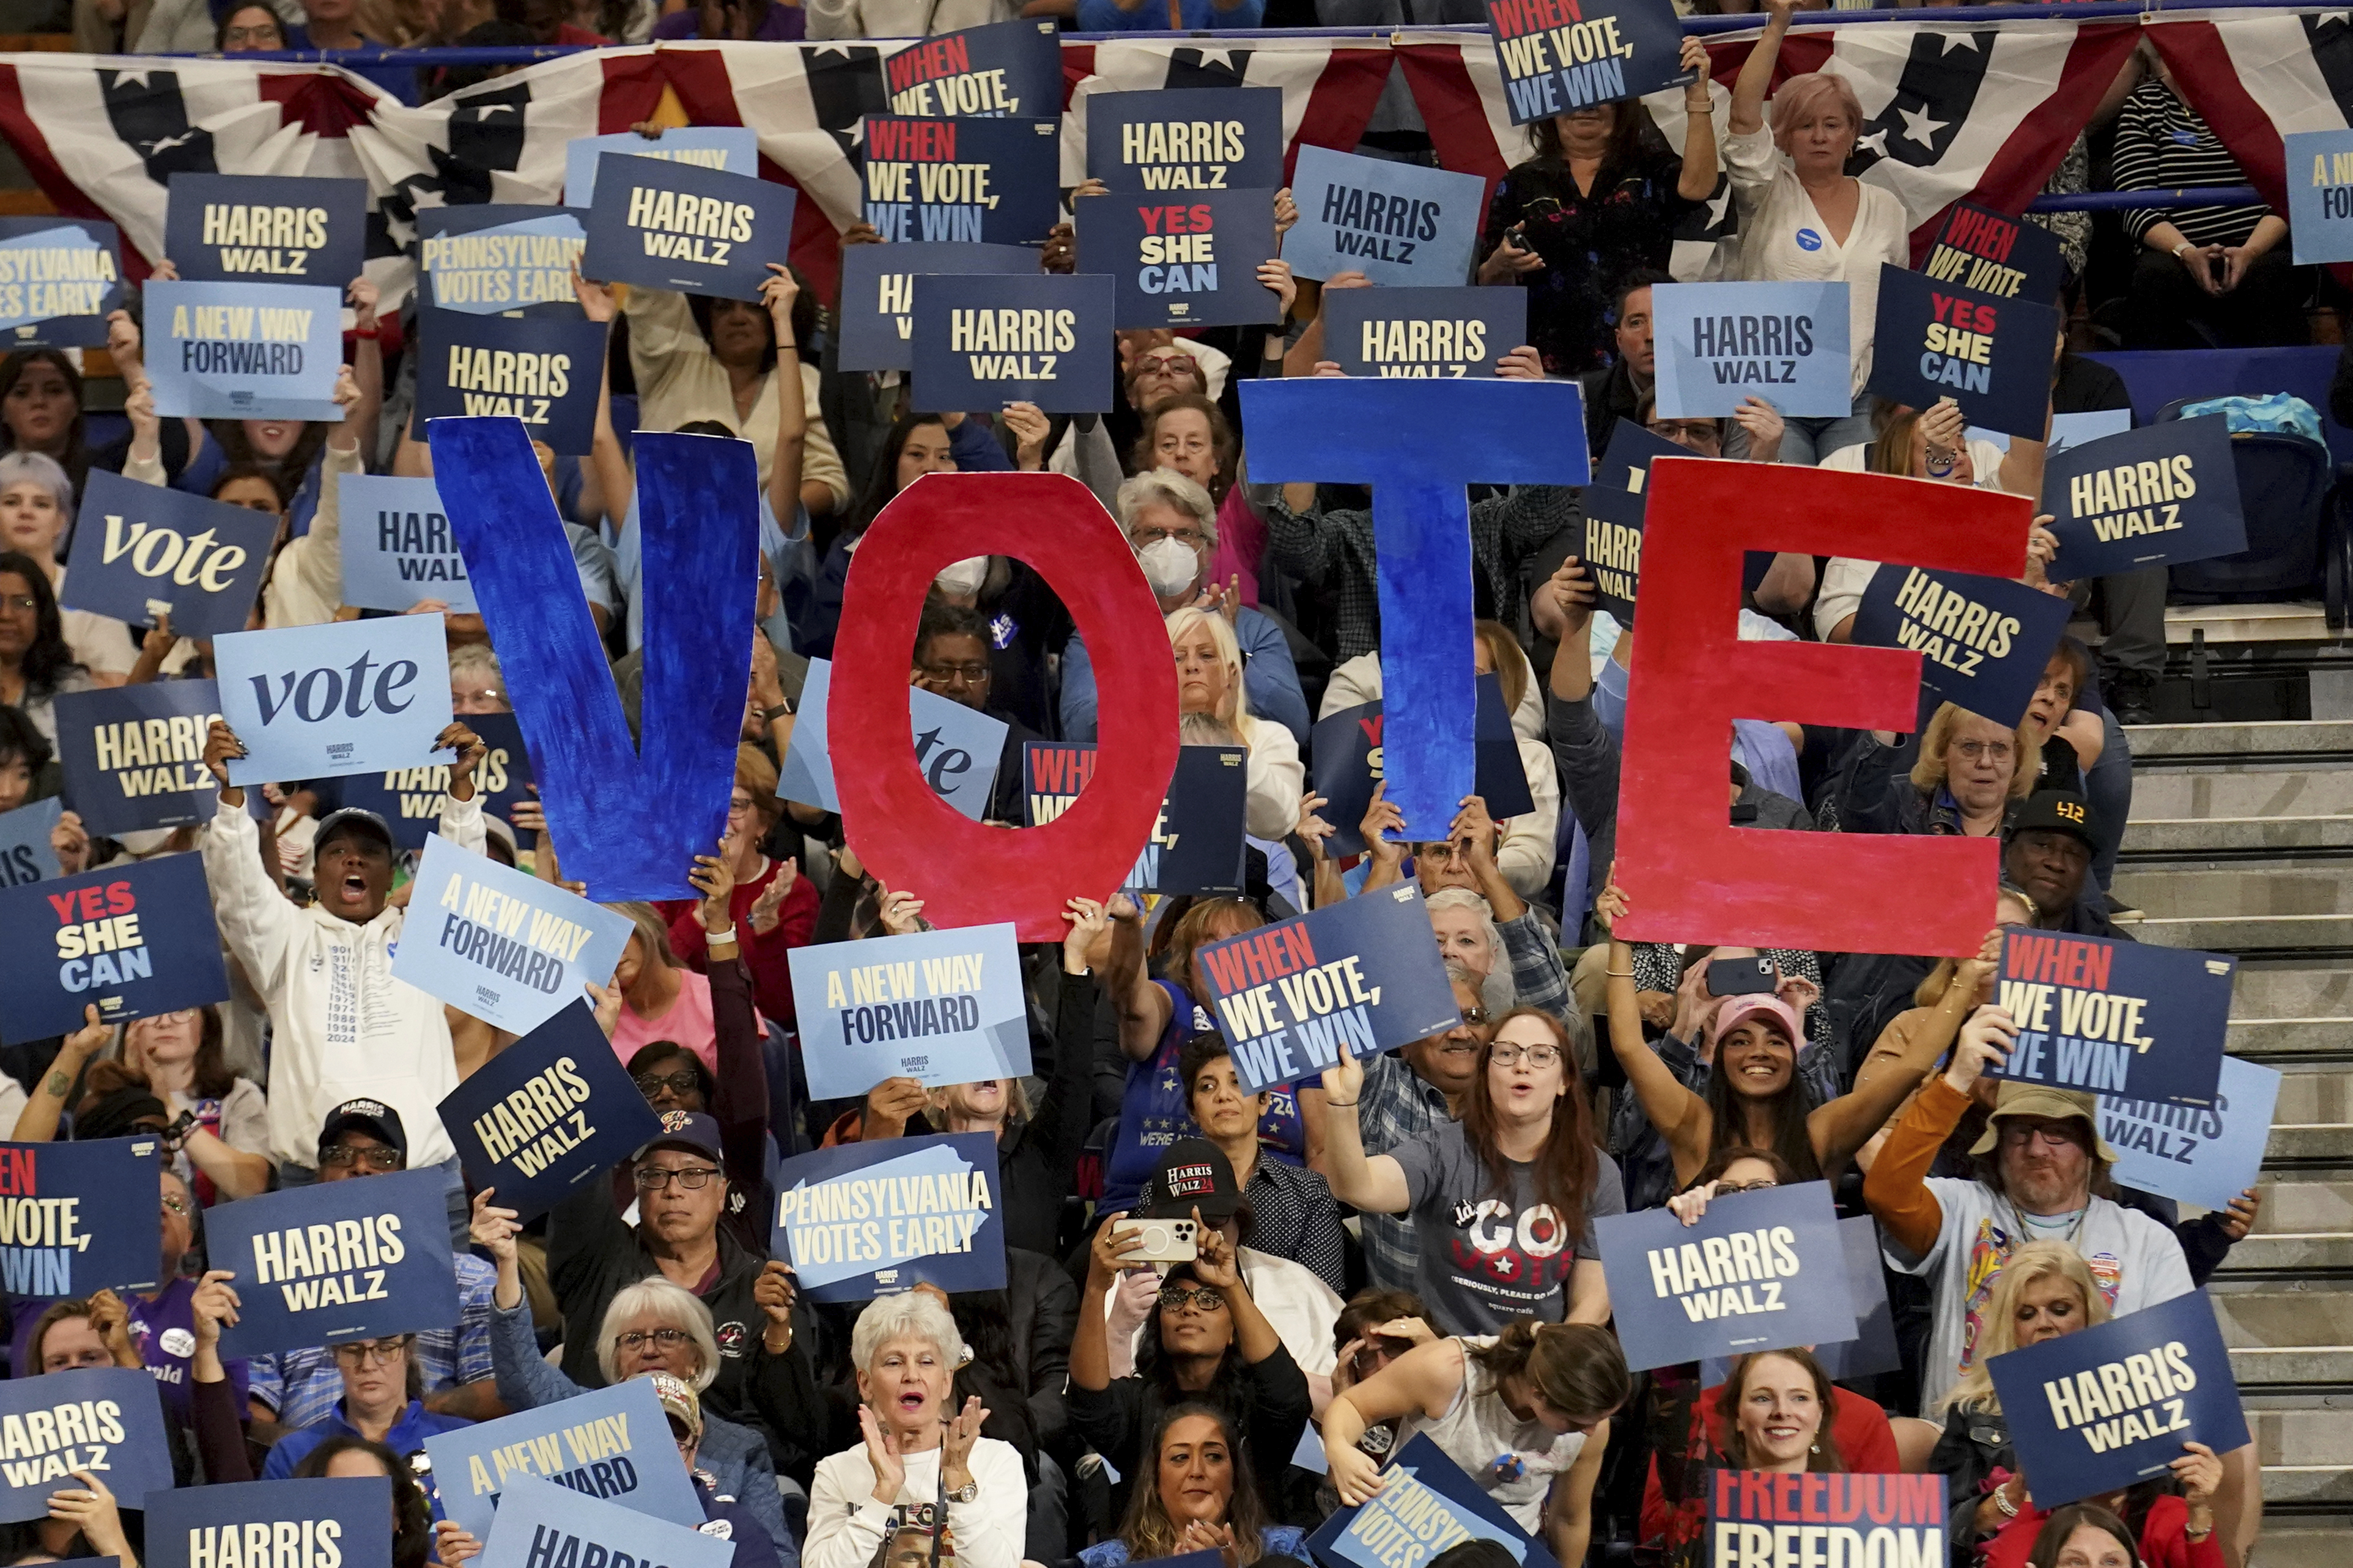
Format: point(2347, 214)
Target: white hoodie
point(344, 1027)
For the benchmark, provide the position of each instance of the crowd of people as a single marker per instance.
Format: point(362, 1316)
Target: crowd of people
point(1401, 1246)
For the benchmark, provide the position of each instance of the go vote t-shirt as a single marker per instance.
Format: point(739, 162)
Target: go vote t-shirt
point(1488, 1256)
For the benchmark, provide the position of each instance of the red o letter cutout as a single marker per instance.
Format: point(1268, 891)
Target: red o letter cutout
point(911, 840)
point(1690, 875)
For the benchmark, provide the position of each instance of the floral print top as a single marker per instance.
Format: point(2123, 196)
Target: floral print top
point(1588, 241)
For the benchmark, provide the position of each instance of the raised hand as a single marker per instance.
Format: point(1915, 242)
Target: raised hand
point(1276, 275)
point(1089, 921)
point(883, 1453)
point(494, 1229)
point(597, 300)
point(764, 914)
point(470, 753)
point(778, 291)
point(774, 1293)
point(221, 744)
point(1108, 1257)
point(713, 876)
point(1523, 364)
point(213, 1305)
point(1987, 1040)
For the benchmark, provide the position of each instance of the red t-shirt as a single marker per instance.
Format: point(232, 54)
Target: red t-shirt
point(764, 956)
point(2164, 1538)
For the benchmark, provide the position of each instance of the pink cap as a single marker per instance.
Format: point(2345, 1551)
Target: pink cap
point(1736, 1008)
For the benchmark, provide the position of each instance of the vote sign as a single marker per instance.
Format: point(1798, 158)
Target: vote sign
point(1983, 641)
point(1720, 344)
point(105, 1421)
point(132, 939)
point(2115, 1017)
point(870, 1219)
point(1186, 139)
point(1557, 56)
point(672, 226)
point(734, 148)
point(335, 1261)
point(1400, 225)
point(351, 697)
point(548, 1113)
point(1347, 750)
point(2318, 166)
point(940, 1006)
point(1363, 974)
point(1437, 333)
point(1759, 1271)
point(66, 1204)
point(1994, 253)
point(540, 370)
point(500, 943)
point(1003, 68)
point(409, 799)
point(878, 292)
point(265, 228)
point(245, 350)
point(1182, 261)
point(2206, 1155)
point(2162, 495)
point(1858, 1519)
point(59, 277)
point(982, 342)
point(2097, 1410)
point(982, 182)
point(339, 1519)
point(133, 756)
point(1426, 1506)
point(958, 748)
point(500, 258)
point(1989, 356)
point(159, 550)
point(397, 547)
point(25, 854)
point(610, 1445)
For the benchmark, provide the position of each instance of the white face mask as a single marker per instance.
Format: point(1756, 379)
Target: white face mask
point(963, 578)
point(1169, 565)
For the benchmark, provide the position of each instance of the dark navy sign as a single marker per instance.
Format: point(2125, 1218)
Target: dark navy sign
point(548, 1112)
point(1186, 139)
point(1626, 462)
point(501, 258)
point(25, 854)
point(1613, 550)
point(1501, 776)
point(132, 940)
point(74, 1217)
point(107, 1421)
point(1720, 344)
point(58, 278)
point(1400, 225)
point(1187, 261)
point(409, 799)
point(1991, 356)
point(1859, 1518)
point(2115, 1017)
point(977, 181)
point(982, 342)
point(133, 756)
point(1197, 840)
point(1759, 1271)
point(878, 292)
point(1454, 332)
point(2161, 495)
point(1362, 974)
point(1346, 746)
point(339, 1520)
point(148, 549)
point(1991, 253)
point(397, 547)
point(2201, 1154)
point(1557, 56)
point(873, 1219)
point(1425, 1506)
point(1982, 641)
point(1005, 67)
point(257, 228)
point(611, 1443)
point(667, 225)
point(544, 371)
point(2095, 1410)
point(337, 1260)
point(1873, 1349)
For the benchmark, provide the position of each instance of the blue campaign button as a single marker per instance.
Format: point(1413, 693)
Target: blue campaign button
point(1808, 240)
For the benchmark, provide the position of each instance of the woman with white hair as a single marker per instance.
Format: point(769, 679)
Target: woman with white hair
point(919, 1454)
point(36, 505)
point(1210, 679)
point(1464, 924)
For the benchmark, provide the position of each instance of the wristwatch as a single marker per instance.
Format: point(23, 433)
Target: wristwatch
point(965, 1493)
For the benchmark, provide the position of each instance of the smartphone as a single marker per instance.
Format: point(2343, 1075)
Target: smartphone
point(1164, 1240)
point(1740, 976)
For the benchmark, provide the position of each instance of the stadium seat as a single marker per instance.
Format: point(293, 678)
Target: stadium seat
point(2292, 500)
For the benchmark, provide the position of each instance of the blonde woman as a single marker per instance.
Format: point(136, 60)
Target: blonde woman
point(1968, 776)
point(1210, 681)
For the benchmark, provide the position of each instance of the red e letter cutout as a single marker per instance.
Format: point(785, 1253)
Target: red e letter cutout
point(964, 873)
point(1689, 874)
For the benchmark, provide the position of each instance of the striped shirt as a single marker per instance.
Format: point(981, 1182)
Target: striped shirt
point(2162, 143)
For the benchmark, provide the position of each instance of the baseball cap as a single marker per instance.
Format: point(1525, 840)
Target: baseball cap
point(2041, 1099)
point(2055, 811)
point(695, 1129)
point(678, 1398)
point(353, 822)
point(1194, 1173)
point(1749, 1004)
point(373, 1117)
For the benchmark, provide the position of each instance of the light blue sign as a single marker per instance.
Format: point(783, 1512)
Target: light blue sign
point(1720, 343)
point(2319, 166)
point(734, 148)
point(957, 747)
point(351, 697)
point(1403, 1511)
point(2067, 430)
point(1400, 225)
point(2205, 1154)
point(245, 350)
point(24, 852)
point(500, 267)
point(57, 280)
point(868, 1219)
point(941, 1006)
point(397, 547)
point(500, 943)
point(611, 1443)
point(541, 1522)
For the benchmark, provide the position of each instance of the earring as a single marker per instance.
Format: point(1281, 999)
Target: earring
point(1815, 1449)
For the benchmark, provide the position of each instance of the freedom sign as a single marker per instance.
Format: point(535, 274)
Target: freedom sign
point(2097, 1410)
point(2115, 1017)
point(208, 1527)
point(1982, 641)
point(64, 1232)
point(958, 748)
point(398, 548)
point(871, 1219)
point(1989, 252)
point(877, 291)
point(1720, 344)
point(734, 148)
point(351, 697)
point(133, 756)
point(2206, 1155)
point(940, 1006)
point(409, 799)
point(107, 1421)
point(25, 854)
point(1450, 332)
point(668, 224)
point(548, 1113)
point(59, 277)
point(132, 939)
point(500, 943)
point(544, 371)
point(500, 258)
point(165, 552)
point(1989, 356)
point(1426, 1505)
point(245, 350)
point(1757, 1517)
point(1361, 975)
point(1400, 225)
point(1182, 261)
point(612, 1444)
point(1186, 139)
point(2161, 495)
point(254, 228)
point(1557, 56)
point(982, 342)
point(1759, 1271)
point(982, 182)
point(335, 1261)
point(537, 1526)
point(1003, 68)
point(2319, 165)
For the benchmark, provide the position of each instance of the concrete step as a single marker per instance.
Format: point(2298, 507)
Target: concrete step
point(2277, 934)
point(2159, 744)
point(2316, 1096)
point(2252, 790)
point(2292, 992)
point(2285, 1319)
point(2310, 1143)
point(2149, 836)
point(2281, 1258)
point(2323, 1548)
point(2176, 892)
point(2282, 1041)
point(2293, 1367)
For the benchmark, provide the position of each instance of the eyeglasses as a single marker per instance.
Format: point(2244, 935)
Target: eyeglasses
point(694, 1178)
point(264, 34)
point(343, 1154)
point(636, 1338)
point(2017, 1137)
point(176, 1205)
point(956, 674)
point(683, 1081)
point(1175, 1296)
point(1726, 1189)
point(1164, 364)
point(1537, 1055)
point(1474, 1016)
point(738, 807)
point(1984, 751)
point(25, 602)
point(1145, 538)
point(382, 1354)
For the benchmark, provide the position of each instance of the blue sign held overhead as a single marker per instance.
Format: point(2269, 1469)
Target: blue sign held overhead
point(1425, 1506)
point(1989, 356)
point(245, 350)
point(107, 1422)
point(59, 277)
point(544, 371)
point(1720, 344)
point(979, 73)
point(132, 941)
point(265, 228)
point(500, 943)
point(982, 342)
point(873, 1219)
point(2162, 495)
point(613, 1445)
point(2206, 1155)
point(941, 1006)
point(958, 748)
point(1982, 641)
point(335, 1261)
point(498, 258)
point(208, 1527)
point(1759, 1271)
point(977, 181)
point(1186, 139)
point(1399, 223)
point(352, 696)
point(734, 148)
point(1557, 56)
point(79, 1214)
point(2115, 1017)
point(1412, 332)
point(133, 756)
point(1997, 254)
point(1182, 261)
point(877, 293)
point(149, 550)
point(397, 547)
point(666, 225)
point(27, 855)
point(2319, 165)
point(550, 1111)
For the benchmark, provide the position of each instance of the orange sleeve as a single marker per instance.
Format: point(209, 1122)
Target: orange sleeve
point(1897, 1188)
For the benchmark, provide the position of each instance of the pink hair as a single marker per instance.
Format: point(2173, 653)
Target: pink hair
point(1805, 96)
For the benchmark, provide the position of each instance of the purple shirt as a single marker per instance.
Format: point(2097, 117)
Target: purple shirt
point(165, 1329)
point(782, 25)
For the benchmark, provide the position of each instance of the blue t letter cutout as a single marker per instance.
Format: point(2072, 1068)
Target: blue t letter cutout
point(629, 820)
point(1418, 443)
